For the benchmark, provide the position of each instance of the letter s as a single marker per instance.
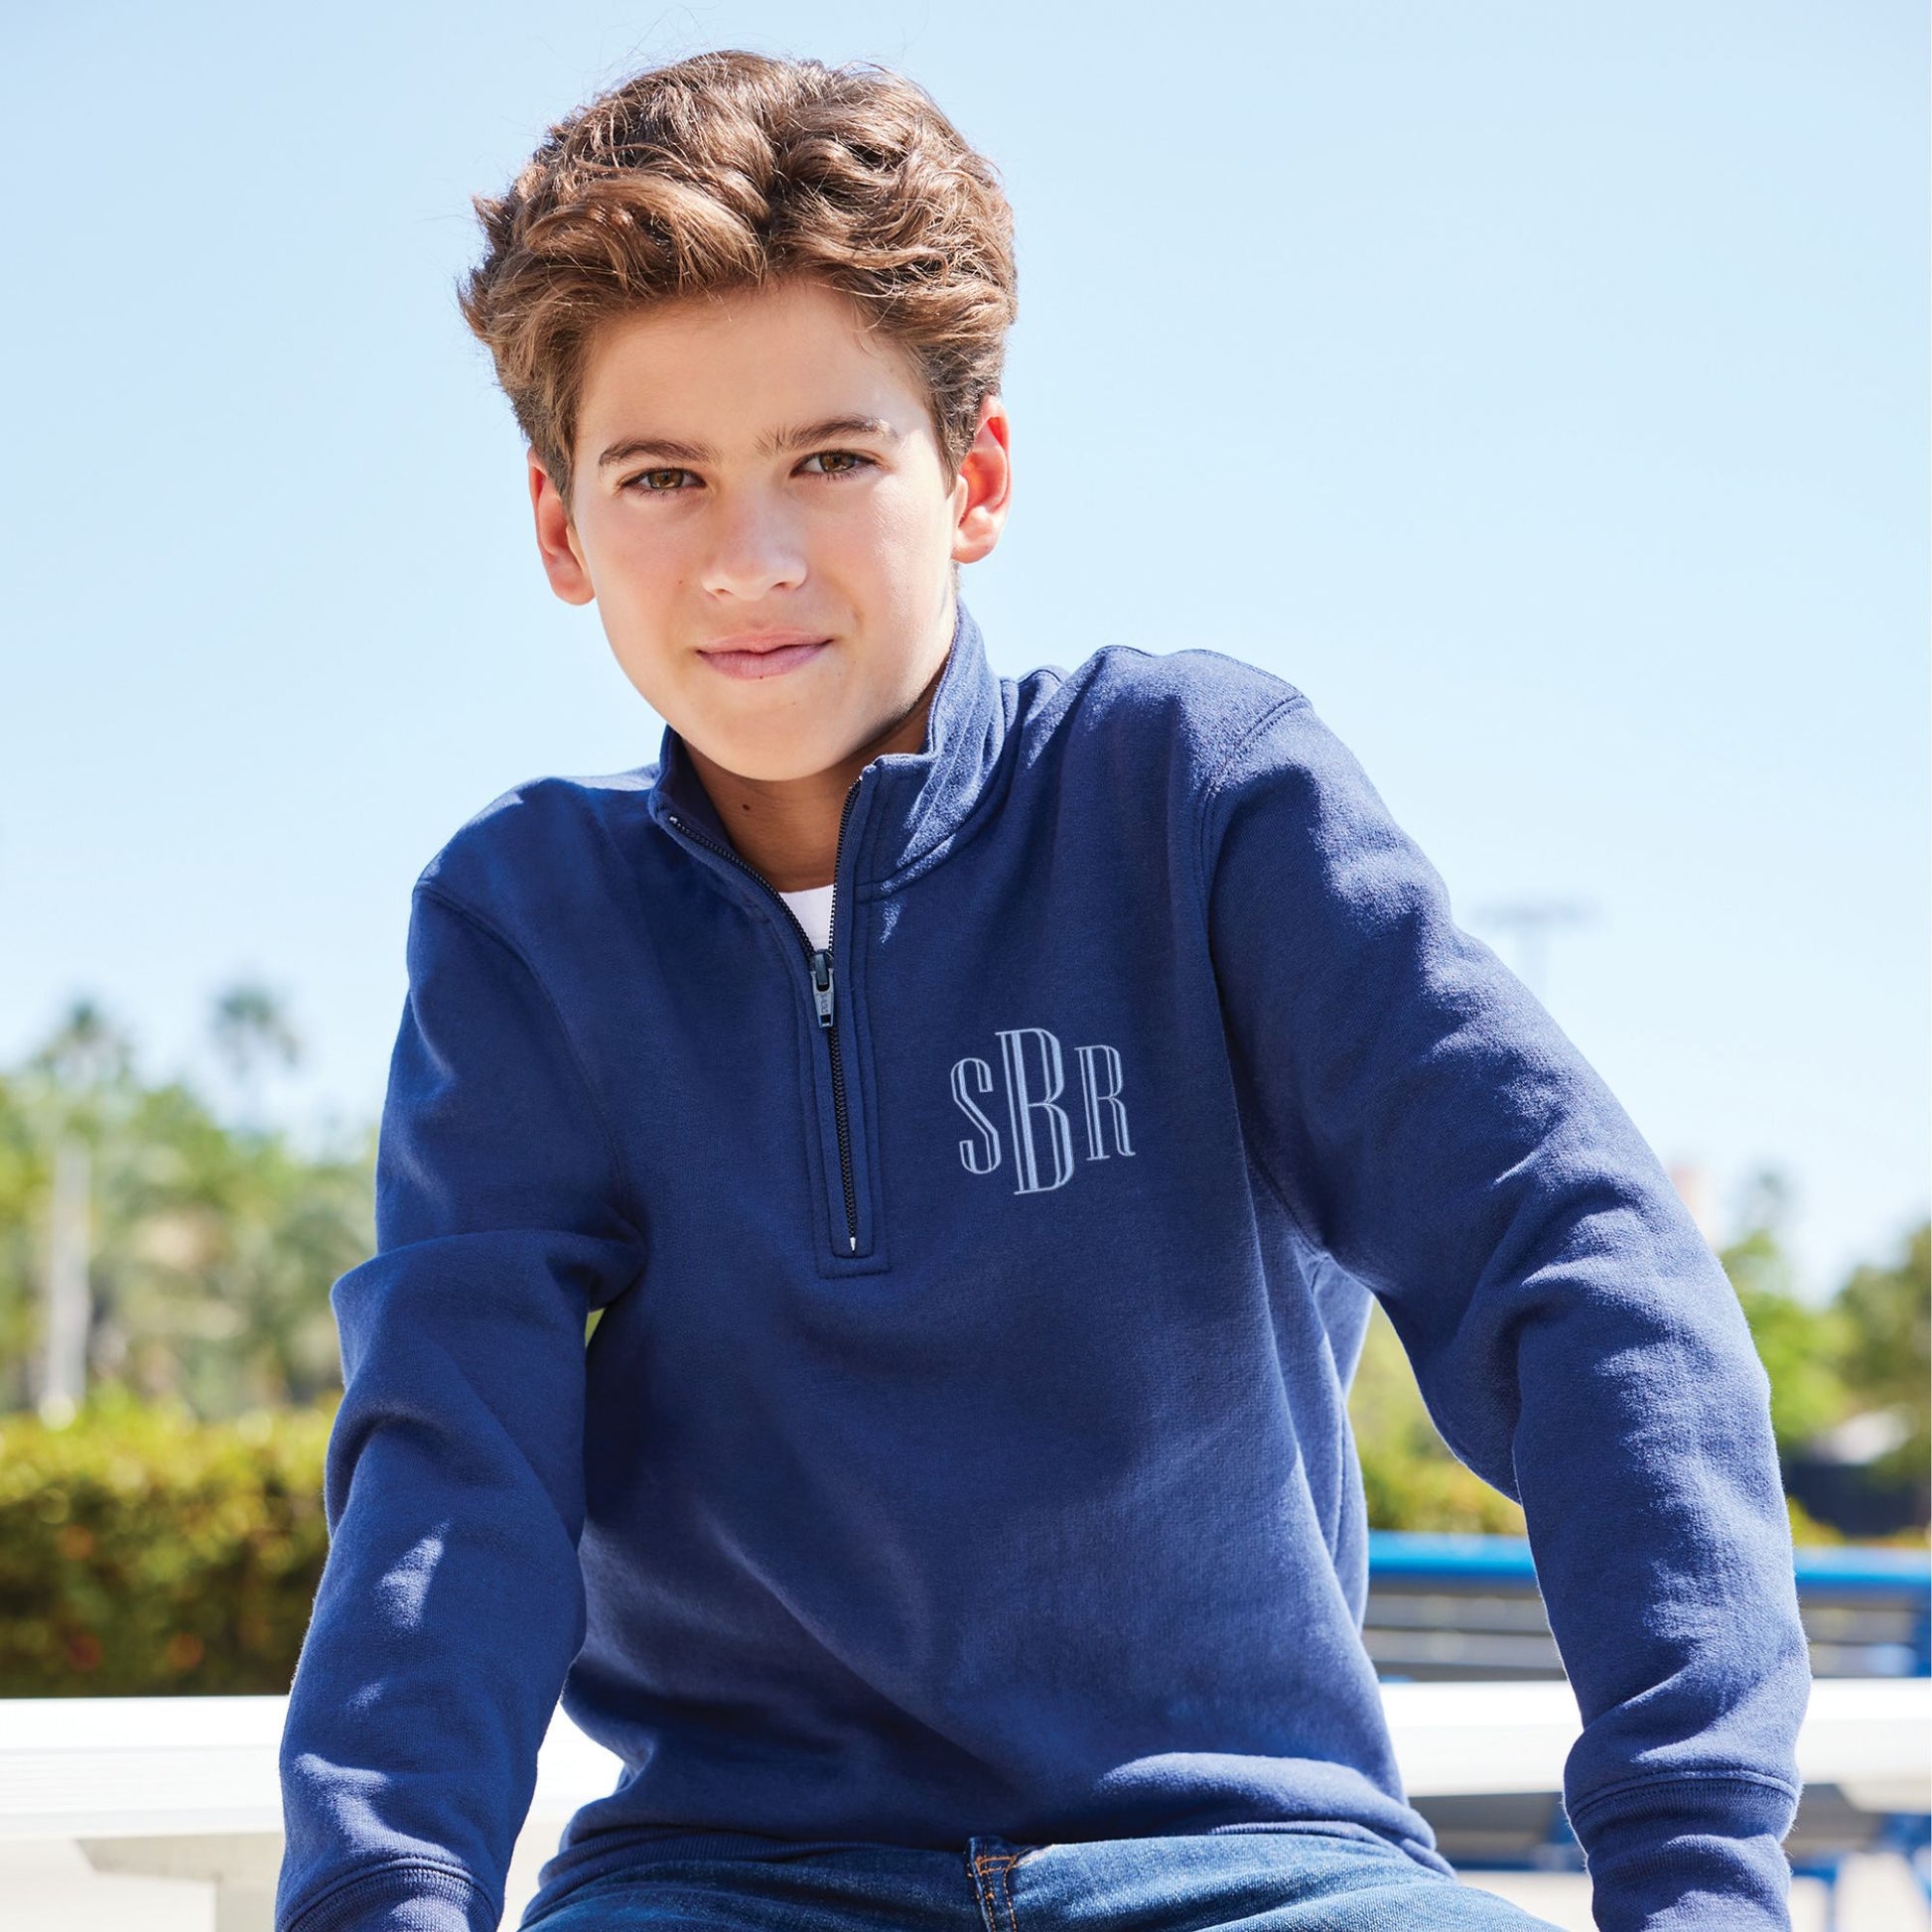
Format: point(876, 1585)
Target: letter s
point(978, 1159)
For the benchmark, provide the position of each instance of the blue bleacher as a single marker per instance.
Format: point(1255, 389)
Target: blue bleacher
point(1448, 1607)
point(1467, 1607)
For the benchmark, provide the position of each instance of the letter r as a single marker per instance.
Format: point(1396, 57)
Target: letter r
point(1098, 1094)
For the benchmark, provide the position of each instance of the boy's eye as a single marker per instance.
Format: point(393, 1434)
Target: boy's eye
point(659, 483)
point(836, 462)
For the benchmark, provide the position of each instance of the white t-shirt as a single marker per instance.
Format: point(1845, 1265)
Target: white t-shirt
point(814, 909)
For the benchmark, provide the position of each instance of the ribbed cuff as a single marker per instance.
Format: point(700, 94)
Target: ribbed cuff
point(1693, 1853)
point(407, 1895)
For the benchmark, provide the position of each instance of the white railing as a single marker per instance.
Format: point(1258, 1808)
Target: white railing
point(188, 1787)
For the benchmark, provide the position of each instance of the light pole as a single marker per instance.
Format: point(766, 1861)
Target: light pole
point(1533, 921)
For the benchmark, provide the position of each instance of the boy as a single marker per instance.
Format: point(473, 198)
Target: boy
point(977, 1113)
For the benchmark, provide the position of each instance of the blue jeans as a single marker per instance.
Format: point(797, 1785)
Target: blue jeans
point(1297, 1881)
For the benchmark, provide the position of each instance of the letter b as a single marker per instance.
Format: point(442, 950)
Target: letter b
point(1030, 1094)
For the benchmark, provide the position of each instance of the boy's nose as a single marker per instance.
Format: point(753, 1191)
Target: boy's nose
point(755, 550)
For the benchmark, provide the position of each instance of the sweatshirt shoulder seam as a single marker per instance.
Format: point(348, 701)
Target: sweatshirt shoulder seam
point(620, 1194)
point(1625, 1787)
point(1204, 798)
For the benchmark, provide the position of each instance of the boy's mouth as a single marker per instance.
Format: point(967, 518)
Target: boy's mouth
point(768, 654)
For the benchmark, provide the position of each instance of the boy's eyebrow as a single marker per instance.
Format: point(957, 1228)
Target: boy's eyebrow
point(671, 451)
point(658, 445)
point(827, 430)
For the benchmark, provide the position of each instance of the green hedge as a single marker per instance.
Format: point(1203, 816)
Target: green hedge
point(144, 1553)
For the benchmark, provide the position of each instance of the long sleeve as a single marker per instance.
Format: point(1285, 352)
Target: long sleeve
point(1427, 1126)
point(452, 1604)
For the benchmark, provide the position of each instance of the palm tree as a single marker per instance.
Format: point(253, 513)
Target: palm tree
point(250, 1030)
point(86, 1052)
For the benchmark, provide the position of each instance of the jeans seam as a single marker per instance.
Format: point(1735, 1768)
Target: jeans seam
point(990, 1868)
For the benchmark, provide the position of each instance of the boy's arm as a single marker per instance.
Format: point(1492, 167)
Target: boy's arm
point(451, 1603)
point(1426, 1123)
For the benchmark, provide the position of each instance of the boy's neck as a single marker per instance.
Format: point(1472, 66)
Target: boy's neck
point(789, 828)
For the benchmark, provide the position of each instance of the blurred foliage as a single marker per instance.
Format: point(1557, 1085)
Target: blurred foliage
point(1801, 1347)
point(1887, 1348)
point(212, 1243)
point(1865, 1355)
point(1410, 1476)
point(144, 1553)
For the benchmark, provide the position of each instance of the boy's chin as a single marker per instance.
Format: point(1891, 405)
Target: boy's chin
point(781, 757)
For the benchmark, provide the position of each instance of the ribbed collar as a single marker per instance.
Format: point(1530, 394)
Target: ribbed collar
point(909, 805)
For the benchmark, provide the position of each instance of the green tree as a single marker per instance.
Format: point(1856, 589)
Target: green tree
point(1410, 1476)
point(212, 1247)
point(1801, 1347)
point(219, 1248)
point(1887, 1352)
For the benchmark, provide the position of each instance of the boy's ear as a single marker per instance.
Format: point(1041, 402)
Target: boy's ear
point(563, 562)
point(983, 485)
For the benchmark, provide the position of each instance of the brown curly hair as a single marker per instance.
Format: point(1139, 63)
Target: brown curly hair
point(729, 171)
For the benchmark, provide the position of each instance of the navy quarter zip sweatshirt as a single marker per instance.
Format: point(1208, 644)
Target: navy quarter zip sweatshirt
point(962, 1447)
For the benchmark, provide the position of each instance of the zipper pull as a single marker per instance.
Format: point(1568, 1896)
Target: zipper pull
point(822, 986)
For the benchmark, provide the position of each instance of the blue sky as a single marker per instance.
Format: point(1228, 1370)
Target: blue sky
point(1540, 387)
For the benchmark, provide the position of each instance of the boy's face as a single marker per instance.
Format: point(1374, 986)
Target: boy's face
point(762, 515)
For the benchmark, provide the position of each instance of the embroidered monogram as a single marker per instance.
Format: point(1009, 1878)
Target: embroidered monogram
point(1040, 1130)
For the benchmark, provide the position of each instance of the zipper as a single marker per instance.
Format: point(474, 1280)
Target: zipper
point(820, 965)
